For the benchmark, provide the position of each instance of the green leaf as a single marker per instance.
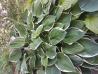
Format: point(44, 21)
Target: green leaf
point(73, 35)
point(92, 61)
point(37, 32)
point(76, 11)
point(72, 49)
point(40, 72)
point(66, 4)
point(44, 61)
point(76, 60)
point(21, 29)
point(91, 22)
point(27, 4)
point(52, 61)
point(24, 69)
point(15, 55)
point(48, 22)
point(78, 24)
point(17, 43)
point(37, 8)
point(64, 63)
point(90, 48)
point(88, 5)
point(77, 72)
point(41, 52)
point(46, 6)
point(56, 35)
point(50, 51)
point(35, 43)
point(89, 66)
point(52, 70)
point(57, 11)
point(64, 21)
point(32, 61)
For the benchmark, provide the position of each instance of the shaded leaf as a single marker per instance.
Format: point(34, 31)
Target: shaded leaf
point(92, 61)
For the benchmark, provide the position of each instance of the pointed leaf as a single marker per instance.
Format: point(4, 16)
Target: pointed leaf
point(17, 43)
point(21, 29)
point(50, 51)
point(90, 48)
point(48, 22)
point(64, 63)
point(73, 49)
point(57, 12)
point(64, 21)
point(73, 35)
point(15, 55)
point(38, 31)
point(52, 70)
point(35, 44)
point(56, 35)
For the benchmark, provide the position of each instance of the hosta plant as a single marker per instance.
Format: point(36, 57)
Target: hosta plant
point(54, 37)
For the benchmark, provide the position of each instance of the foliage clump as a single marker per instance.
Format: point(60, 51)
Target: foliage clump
point(53, 37)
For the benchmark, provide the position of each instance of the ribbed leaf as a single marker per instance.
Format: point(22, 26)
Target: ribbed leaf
point(89, 5)
point(64, 21)
point(52, 70)
point(15, 55)
point(73, 49)
point(50, 51)
point(64, 63)
point(48, 22)
point(91, 22)
point(90, 48)
point(56, 35)
point(17, 43)
point(73, 35)
point(35, 44)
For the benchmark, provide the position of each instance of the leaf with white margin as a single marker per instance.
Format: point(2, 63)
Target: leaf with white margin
point(56, 35)
point(35, 43)
point(90, 48)
point(50, 51)
point(52, 70)
point(73, 35)
point(64, 63)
